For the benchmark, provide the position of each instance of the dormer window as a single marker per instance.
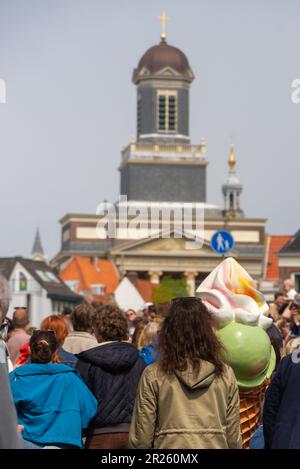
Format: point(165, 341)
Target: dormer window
point(167, 111)
point(98, 289)
point(72, 284)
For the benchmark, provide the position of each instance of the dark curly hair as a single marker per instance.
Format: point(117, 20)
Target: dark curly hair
point(81, 317)
point(110, 324)
point(187, 338)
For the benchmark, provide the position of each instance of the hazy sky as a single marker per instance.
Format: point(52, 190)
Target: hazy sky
point(71, 104)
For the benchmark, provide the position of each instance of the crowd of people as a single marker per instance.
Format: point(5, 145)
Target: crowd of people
point(285, 312)
point(98, 377)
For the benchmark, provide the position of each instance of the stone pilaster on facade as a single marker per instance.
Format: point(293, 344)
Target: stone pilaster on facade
point(191, 281)
point(154, 277)
point(123, 271)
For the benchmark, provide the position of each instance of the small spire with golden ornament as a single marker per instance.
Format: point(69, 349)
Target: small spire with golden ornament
point(232, 160)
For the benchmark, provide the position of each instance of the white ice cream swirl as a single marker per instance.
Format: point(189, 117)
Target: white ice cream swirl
point(231, 295)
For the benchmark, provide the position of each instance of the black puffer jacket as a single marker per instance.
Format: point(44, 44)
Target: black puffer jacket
point(112, 372)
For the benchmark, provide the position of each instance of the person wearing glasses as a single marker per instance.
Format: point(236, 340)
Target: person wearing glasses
point(9, 436)
point(4, 332)
point(53, 404)
point(131, 317)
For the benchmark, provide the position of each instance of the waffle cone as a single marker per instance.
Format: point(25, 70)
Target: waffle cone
point(250, 412)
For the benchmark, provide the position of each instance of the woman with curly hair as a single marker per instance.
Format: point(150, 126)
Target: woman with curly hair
point(112, 371)
point(190, 398)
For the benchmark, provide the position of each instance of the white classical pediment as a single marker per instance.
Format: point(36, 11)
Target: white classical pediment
point(164, 243)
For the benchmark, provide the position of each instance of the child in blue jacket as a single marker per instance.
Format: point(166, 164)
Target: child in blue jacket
point(53, 403)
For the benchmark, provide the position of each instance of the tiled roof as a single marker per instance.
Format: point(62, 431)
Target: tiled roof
point(275, 244)
point(90, 271)
point(145, 289)
point(6, 266)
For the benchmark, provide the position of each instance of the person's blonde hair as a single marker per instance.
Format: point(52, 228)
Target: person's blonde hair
point(292, 345)
point(274, 312)
point(147, 334)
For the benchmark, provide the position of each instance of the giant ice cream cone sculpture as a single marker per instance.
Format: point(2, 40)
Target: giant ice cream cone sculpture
point(231, 295)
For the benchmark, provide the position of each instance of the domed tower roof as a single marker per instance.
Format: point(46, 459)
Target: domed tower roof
point(160, 57)
point(233, 181)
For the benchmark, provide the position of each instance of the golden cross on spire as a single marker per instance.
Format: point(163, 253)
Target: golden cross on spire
point(164, 18)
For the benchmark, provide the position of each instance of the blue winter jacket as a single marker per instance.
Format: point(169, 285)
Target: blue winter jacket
point(150, 353)
point(52, 403)
point(146, 353)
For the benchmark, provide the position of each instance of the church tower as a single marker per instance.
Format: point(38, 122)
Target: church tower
point(163, 175)
point(232, 190)
point(161, 165)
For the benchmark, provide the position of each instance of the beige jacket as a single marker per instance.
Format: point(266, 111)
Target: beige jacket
point(183, 412)
point(17, 337)
point(78, 341)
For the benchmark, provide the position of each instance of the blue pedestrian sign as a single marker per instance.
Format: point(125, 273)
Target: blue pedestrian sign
point(222, 242)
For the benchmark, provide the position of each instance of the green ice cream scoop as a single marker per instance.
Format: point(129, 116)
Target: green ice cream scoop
point(249, 353)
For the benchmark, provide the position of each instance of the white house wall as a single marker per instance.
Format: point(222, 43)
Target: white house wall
point(127, 296)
